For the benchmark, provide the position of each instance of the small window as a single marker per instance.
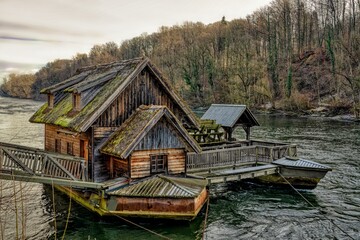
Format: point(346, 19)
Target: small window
point(58, 145)
point(70, 148)
point(82, 148)
point(158, 163)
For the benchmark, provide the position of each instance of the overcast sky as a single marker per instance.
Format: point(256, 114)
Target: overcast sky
point(34, 32)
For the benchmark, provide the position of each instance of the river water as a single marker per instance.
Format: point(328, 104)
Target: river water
point(236, 211)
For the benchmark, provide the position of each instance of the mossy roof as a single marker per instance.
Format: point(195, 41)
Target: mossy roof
point(99, 86)
point(124, 140)
point(161, 186)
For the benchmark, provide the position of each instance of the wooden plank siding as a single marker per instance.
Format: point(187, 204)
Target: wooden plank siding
point(157, 205)
point(140, 161)
point(143, 90)
point(119, 167)
point(65, 136)
point(162, 135)
point(100, 166)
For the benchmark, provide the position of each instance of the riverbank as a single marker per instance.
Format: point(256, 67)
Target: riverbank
point(322, 113)
point(345, 117)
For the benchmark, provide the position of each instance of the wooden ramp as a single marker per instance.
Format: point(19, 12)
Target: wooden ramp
point(227, 175)
point(20, 163)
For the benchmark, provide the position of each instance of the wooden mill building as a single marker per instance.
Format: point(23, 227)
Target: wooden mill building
point(124, 118)
point(120, 141)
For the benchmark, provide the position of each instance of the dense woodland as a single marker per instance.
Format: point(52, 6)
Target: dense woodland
point(292, 55)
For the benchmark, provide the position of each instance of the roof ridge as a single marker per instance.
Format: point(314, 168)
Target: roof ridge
point(229, 105)
point(110, 64)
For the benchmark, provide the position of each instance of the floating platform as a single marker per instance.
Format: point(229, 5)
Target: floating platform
point(300, 173)
point(159, 196)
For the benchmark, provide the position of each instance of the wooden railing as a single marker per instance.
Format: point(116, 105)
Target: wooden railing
point(237, 156)
point(37, 162)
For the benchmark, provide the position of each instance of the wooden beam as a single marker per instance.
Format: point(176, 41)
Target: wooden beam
point(48, 180)
point(59, 166)
point(18, 161)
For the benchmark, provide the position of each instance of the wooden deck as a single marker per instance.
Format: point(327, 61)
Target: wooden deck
point(228, 175)
point(241, 160)
point(237, 155)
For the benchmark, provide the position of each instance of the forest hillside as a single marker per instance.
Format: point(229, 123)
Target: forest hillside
point(293, 55)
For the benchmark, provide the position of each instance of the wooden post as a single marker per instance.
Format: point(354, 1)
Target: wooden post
point(1, 158)
point(256, 155)
point(230, 133)
point(247, 130)
point(292, 150)
point(271, 154)
point(186, 162)
point(84, 170)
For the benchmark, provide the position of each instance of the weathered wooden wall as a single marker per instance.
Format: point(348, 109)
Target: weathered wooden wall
point(65, 136)
point(100, 167)
point(201, 199)
point(143, 90)
point(166, 205)
point(120, 167)
point(161, 136)
point(140, 161)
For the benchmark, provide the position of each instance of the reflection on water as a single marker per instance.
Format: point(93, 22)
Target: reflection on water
point(237, 210)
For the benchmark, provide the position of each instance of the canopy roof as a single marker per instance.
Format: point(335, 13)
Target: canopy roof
point(163, 186)
point(124, 140)
point(230, 115)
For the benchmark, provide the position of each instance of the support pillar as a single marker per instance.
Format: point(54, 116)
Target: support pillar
point(247, 131)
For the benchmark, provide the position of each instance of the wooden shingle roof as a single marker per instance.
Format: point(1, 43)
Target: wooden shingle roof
point(163, 186)
point(99, 86)
point(124, 140)
point(229, 115)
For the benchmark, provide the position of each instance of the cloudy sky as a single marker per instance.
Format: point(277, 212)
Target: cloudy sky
point(33, 32)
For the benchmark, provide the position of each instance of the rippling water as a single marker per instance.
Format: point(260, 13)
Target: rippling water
point(237, 210)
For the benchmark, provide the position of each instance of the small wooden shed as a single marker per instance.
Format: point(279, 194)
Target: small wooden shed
point(231, 116)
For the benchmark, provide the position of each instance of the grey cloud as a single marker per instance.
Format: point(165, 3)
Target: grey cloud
point(7, 64)
point(4, 37)
point(5, 25)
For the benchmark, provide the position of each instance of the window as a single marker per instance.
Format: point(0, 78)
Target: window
point(82, 148)
point(70, 148)
point(158, 163)
point(58, 145)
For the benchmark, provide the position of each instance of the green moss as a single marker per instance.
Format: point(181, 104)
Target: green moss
point(39, 114)
point(63, 121)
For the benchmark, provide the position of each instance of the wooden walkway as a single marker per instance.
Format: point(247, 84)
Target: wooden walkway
point(22, 163)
